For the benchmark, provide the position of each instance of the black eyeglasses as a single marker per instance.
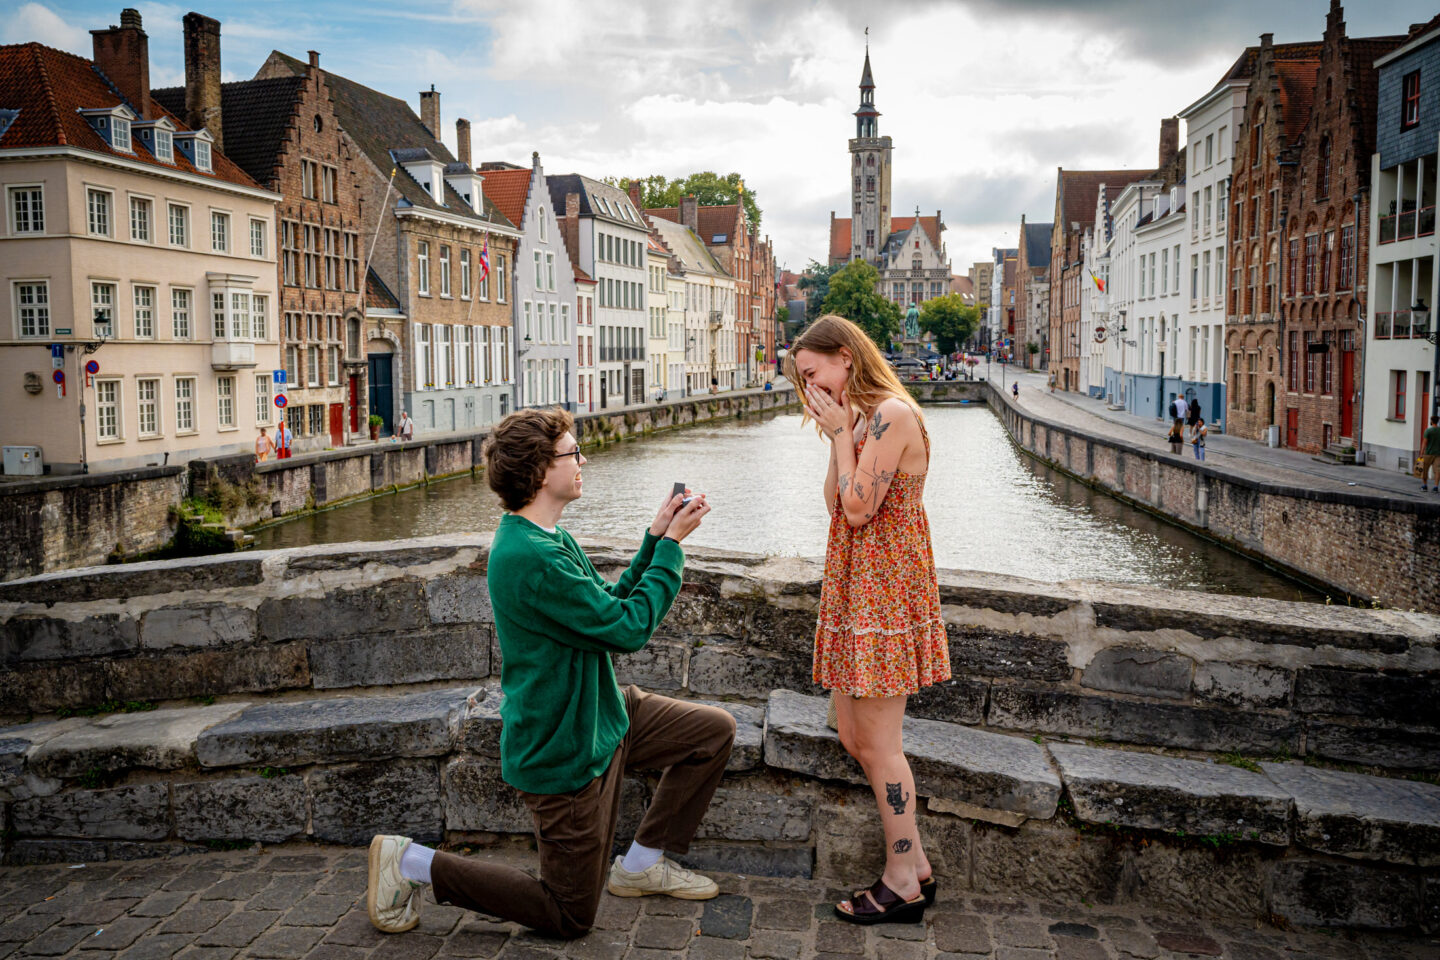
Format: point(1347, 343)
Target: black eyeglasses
point(573, 453)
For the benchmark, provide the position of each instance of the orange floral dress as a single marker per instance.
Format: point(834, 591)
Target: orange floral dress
point(880, 633)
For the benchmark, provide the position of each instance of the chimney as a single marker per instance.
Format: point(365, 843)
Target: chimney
point(430, 111)
point(1169, 140)
point(202, 75)
point(690, 213)
point(462, 139)
point(572, 206)
point(635, 195)
point(314, 59)
point(123, 54)
point(1267, 39)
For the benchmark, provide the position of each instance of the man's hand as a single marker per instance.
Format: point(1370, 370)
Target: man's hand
point(688, 518)
point(668, 508)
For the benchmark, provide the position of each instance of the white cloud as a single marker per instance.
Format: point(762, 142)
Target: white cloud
point(35, 22)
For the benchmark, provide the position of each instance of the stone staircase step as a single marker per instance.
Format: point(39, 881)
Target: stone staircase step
point(1364, 817)
point(154, 740)
point(337, 730)
point(1190, 797)
point(974, 773)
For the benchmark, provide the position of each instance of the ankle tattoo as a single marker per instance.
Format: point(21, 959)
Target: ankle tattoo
point(901, 846)
point(896, 797)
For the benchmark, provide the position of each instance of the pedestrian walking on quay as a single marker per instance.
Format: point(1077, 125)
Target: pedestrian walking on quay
point(406, 429)
point(880, 637)
point(570, 734)
point(1197, 437)
point(1015, 390)
point(1177, 437)
point(284, 437)
point(263, 447)
point(1430, 472)
point(1178, 411)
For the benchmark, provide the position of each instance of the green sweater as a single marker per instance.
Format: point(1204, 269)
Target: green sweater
point(558, 622)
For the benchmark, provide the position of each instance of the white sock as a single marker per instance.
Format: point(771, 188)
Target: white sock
point(415, 863)
point(639, 858)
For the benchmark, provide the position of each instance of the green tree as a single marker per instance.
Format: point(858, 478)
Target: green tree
point(709, 189)
point(950, 319)
point(815, 281)
point(853, 296)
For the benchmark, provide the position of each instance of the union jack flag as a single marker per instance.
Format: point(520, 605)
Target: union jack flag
point(485, 258)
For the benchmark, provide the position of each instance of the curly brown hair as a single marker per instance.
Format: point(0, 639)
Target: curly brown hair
point(520, 450)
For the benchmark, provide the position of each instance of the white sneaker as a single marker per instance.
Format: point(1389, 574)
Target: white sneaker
point(664, 876)
point(389, 897)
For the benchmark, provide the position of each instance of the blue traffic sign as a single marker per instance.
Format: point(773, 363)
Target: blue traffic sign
point(278, 375)
point(57, 350)
point(280, 400)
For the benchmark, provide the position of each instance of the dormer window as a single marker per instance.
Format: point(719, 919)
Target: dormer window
point(120, 134)
point(427, 172)
point(195, 145)
point(202, 156)
point(113, 123)
point(158, 138)
point(164, 146)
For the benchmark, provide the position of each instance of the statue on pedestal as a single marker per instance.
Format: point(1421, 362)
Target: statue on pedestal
point(912, 331)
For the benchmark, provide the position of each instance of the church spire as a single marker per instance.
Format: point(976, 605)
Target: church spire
point(867, 117)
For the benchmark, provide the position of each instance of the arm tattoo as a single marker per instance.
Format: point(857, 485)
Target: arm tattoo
point(843, 484)
point(878, 426)
point(901, 846)
point(896, 797)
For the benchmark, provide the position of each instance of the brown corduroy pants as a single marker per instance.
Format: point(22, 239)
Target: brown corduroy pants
point(575, 832)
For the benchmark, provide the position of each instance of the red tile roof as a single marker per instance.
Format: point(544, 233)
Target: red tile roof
point(839, 238)
point(582, 277)
point(840, 244)
point(48, 87)
point(1297, 93)
point(377, 295)
point(508, 190)
point(1081, 188)
point(712, 221)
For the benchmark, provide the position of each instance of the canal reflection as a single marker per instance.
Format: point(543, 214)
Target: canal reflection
point(991, 508)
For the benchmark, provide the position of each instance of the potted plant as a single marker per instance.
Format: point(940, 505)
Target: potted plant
point(375, 423)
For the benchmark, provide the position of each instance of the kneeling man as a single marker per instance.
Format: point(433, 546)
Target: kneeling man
point(570, 732)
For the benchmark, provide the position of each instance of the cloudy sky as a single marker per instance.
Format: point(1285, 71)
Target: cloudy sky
point(984, 99)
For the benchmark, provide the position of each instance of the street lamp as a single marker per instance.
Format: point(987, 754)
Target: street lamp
point(101, 324)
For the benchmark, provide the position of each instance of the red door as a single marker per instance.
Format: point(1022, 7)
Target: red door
point(1347, 393)
point(354, 403)
point(337, 424)
point(1292, 427)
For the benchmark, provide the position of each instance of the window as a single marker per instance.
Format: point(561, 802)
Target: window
point(107, 409)
point(27, 210)
point(1309, 362)
point(312, 366)
point(554, 324)
point(1176, 290)
point(102, 308)
point(309, 179)
point(120, 134)
point(422, 356)
point(202, 155)
point(1205, 279)
point(464, 274)
point(262, 398)
point(529, 330)
point(1347, 258)
point(1209, 198)
point(1194, 208)
point(483, 293)
point(97, 203)
point(1292, 268)
point(144, 313)
point(539, 273)
point(1222, 200)
point(332, 259)
point(1410, 107)
point(1327, 257)
point(164, 146)
point(334, 366)
point(422, 259)
point(500, 290)
point(179, 226)
point(317, 418)
point(549, 271)
point(147, 407)
point(184, 405)
point(219, 231)
point(444, 270)
point(1322, 170)
point(33, 308)
point(1209, 150)
point(295, 419)
point(292, 363)
point(328, 179)
point(139, 219)
point(1165, 270)
point(259, 311)
point(1312, 247)
point(1397, 393)
point(352, 262)
point(257, 238)
point(1327, 367)
point(544, 230)
point(180, 314)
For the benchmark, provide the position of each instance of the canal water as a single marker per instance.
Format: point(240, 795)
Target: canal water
point(991, 508)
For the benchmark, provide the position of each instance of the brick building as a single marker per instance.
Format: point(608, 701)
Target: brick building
point(1032, 293)
point(283, 132)
point(1326, 270)
point(1003, 305)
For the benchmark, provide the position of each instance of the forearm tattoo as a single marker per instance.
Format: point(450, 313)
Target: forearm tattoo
point(901, 846)
point(896, 797)
point(843, 484)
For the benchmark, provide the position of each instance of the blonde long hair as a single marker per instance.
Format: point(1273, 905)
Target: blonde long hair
point(871, 378)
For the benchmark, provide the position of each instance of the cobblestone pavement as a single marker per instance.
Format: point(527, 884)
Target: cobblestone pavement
point(308, 901)
point(1222, 451)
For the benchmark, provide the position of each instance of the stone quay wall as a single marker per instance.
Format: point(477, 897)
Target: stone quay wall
point(1366, 547)
point(337, 691)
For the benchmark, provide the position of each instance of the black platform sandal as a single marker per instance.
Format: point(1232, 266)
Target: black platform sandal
point(927, 887)
point(883, 905)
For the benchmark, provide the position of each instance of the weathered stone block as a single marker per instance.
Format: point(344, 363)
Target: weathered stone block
point(459, 598)
point(1219, 729)
point(725, 671)
point(345, 728)
point(1206, 881)
point(980, 651)
point(747, 753)
point(353, 802)
point(656, 666)
point(243, 808)
point(480, 725)
point(1327, 894)
point(1212, 616)
point(1152, 673)
point(458, 652)
point(786, 630)
point(749, 859)
point(1402, 698)
point(17, 781)
point(140, 812)
point(252, 669)
point(1364, 817)
point(476, 798)
point(197, 625)
point(698, 611)
point(326, 559)
point(35, 637)
point(1167, 793)
point(958, 700)
point(1243, 684)
point(849, 840)
point(1036, 603)
point(31, 687)
point(992, 774)
point(158, 740)
point(739, 814)
point(135, 580)
point(1046, 860)
point(390, 607)
point(1373, 746)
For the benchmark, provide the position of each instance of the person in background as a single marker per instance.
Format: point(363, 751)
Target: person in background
point(1197, 437)
point(1430, 473)
point(263, 447)
point(406, 428)
point(284, 436)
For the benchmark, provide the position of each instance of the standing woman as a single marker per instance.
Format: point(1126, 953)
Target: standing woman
point(880, 636)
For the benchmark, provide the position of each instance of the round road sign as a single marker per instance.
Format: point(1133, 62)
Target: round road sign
point(280, 400)
point(92, 367)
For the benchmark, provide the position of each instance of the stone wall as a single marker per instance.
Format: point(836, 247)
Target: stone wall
point(337, 691)
point(55, 523)
point(1366, 547)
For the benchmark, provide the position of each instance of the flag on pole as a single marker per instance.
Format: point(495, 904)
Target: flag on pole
point(485, 258)
point(1099, 284)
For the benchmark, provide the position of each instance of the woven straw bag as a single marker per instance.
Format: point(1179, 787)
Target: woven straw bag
point(831, 719)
